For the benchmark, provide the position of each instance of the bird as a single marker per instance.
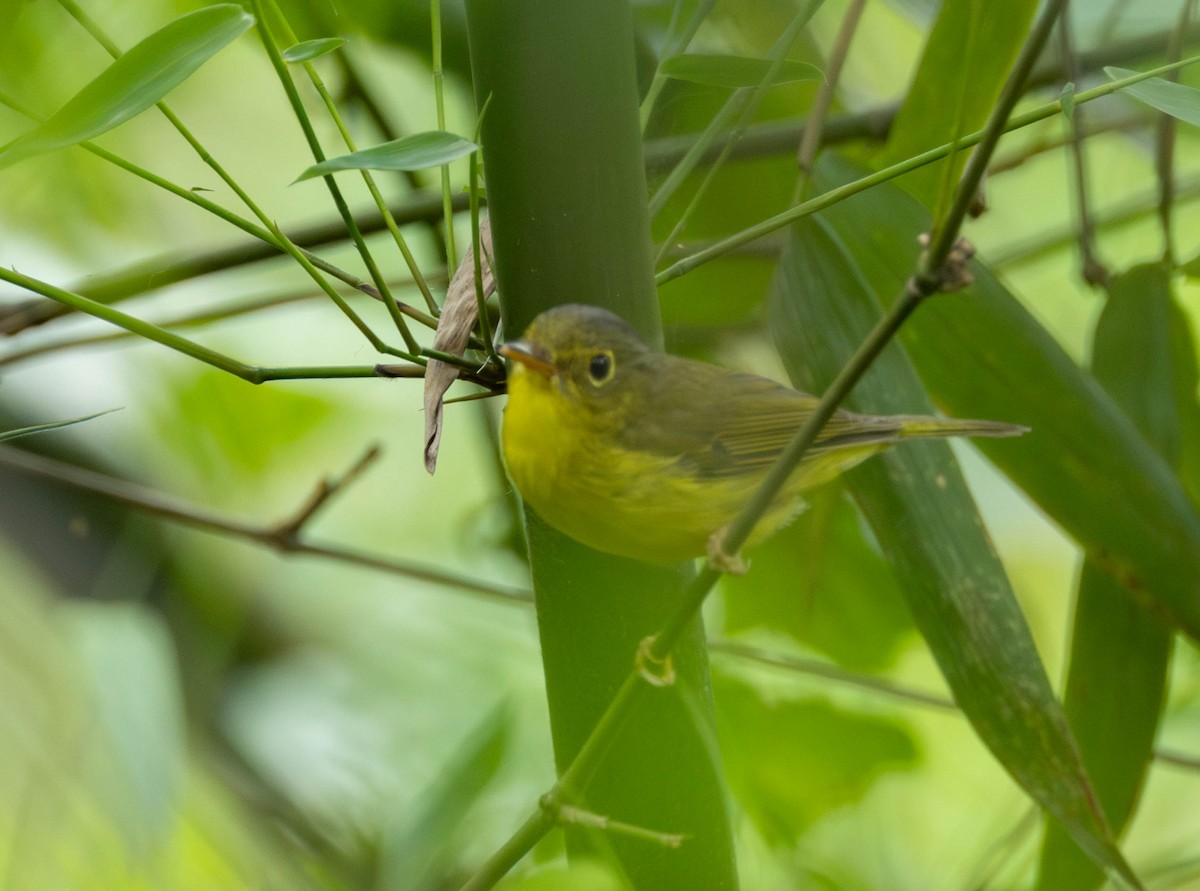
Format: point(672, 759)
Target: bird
point(648, 455)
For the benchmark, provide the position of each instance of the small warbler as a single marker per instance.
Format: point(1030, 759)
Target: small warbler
point(647, 455)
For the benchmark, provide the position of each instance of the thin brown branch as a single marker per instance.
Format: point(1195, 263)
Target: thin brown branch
point(814, 125)
point(288, 531)
point(158, 504)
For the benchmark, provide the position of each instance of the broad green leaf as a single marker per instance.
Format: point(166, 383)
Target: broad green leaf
point(1120, 652)
point(416, 854)
point(1191, 268)
point(982, 354)
point(1177, 100)
point(136, 81)
point(964, 64)
point(312, 49)
point(416, 152)
point(53, 425)
point(921, 511)
point(736, 71)
point(821, 582)
point(790, 763)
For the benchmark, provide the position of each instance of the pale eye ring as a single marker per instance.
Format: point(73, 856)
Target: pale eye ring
point(600, 368)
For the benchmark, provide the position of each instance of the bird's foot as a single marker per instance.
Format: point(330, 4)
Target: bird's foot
point(720, 559)
point(656, 671)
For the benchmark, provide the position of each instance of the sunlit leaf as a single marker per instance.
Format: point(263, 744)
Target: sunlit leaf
point(789, 763)
point(736, 71)
point(137, 80)
point(963, 66)
point(312, 49)
point(53, 425)
point(1177, 100)
point(918, 505)
point(416, 152)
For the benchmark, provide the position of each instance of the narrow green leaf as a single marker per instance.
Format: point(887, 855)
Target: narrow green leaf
point(1120, 653)
point(312, 49)
point(982, 354)
point(53, 425)
point(136, 81)
point(1191, 268)
point(921, 511)
point(735, 72)
point(964, 64)
point(416, 152)
point(1177, 100)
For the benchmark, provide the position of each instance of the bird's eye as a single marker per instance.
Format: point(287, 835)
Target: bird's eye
point(600, 367)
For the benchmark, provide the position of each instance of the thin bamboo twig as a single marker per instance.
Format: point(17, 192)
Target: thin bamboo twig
point(1093, 269)
point(677, 46)
point(743, 103)
point(833, 196)
point(318, 153)
point(435, 27)
point(814, 125)
point(829, 671)
point(770, 138)
point(111, 48)
point(1164, 156)
point(254, 374)
point(368, 179)
point(157, 277)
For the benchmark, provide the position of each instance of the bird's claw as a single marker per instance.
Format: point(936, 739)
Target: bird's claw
point(720, 559)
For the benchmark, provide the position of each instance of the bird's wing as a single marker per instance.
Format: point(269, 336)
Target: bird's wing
point(722, 423)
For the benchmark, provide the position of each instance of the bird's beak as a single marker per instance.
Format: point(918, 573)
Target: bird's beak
point(532, 356)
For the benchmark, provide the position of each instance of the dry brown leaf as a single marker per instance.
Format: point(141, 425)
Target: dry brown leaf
point(458, 317)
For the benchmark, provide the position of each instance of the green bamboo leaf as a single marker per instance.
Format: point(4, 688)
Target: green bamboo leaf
point(964, 64)
point(312, 49)
point(416, 152)
point(53, 425)
point(982, 354)
point(1120, 652)
point(918, 505)
point(735, 72)
point(1177, 100)
point(136, 81)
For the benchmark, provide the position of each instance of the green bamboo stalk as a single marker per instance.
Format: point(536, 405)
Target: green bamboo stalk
point(567, 203)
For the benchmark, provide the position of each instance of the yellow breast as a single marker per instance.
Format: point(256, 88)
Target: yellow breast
point(583, 483)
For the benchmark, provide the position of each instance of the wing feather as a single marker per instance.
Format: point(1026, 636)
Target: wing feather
point(723, 424)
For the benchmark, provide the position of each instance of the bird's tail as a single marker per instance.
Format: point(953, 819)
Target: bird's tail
point(915, 426)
